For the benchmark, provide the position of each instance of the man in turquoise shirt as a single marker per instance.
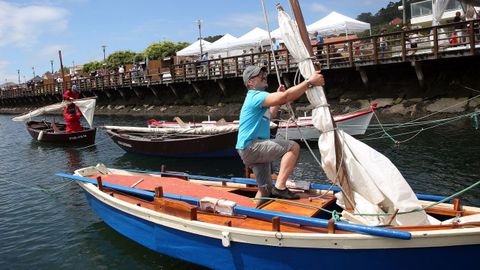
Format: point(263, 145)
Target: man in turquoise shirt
point(254, 145)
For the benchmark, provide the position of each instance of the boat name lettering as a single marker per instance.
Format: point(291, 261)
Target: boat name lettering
point(77, 137)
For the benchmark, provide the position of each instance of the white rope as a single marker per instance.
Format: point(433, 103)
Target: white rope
point(423, 117)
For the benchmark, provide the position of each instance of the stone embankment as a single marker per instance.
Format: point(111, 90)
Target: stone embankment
point(389, 109)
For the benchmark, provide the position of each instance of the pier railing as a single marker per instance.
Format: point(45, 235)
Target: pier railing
point(449, 40)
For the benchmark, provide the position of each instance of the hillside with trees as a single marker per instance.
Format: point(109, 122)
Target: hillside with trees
point(385, 15)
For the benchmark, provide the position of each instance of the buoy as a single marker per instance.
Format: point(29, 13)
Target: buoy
point(40, 135)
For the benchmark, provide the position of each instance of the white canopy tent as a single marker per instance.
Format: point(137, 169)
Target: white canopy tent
point(336, 23)
point(256, 37)
point(219, 45)
point(194, 48)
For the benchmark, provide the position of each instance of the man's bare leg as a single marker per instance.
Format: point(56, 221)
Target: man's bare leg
point(287, 164)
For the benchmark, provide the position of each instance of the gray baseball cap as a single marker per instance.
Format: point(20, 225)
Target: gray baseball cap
point(252, 71)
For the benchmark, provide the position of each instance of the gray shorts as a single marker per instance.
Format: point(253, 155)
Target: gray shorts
point(259, 155)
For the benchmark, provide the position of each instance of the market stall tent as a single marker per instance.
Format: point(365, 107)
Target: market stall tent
point(194, 48)
point(336, 23)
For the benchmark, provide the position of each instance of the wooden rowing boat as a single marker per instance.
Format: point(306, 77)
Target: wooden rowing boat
point(51, 132)
point(170, 213)
point(184, 143)
point(355, 123)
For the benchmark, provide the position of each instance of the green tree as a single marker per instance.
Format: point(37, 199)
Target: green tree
point(366, 17)
point(212, 38)
point(92, 66)
point(163, 49)
point(118, 58)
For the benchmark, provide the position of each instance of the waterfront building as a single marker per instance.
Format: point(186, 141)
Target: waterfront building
point(422, 12)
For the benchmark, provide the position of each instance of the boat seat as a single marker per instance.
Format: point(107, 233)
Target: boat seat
point(55, 128)
point(291, 207)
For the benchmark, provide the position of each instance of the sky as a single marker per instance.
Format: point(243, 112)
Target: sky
point(32, 31)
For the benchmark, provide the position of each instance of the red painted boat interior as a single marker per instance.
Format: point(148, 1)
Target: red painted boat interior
point(174, 185)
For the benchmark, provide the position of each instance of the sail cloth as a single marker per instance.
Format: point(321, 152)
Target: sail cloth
point(377, 185)
point(208, 129)
point(86, 106)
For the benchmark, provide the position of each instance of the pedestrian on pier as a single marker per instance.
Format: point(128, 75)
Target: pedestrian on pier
point(459, 27)
point(254, 145)
point(382, 43)
point(319, 43)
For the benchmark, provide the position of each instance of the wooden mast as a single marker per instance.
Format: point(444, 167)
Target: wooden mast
point(62, 72)
point(343, 177)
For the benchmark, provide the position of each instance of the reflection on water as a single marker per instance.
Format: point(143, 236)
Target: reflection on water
point(225, 167)
point(45, 221)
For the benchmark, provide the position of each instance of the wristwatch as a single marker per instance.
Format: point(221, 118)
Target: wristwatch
point(309, 84)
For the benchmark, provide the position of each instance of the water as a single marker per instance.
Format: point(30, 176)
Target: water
point(45, 221)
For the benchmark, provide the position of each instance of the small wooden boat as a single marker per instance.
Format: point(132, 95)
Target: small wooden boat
point(173, 142)
point(52, 132)
point(355, 123)
point(213, 222)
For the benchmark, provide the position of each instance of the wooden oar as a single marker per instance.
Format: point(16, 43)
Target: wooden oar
point(260, 214)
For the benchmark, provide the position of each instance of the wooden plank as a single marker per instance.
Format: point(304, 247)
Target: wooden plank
point(176, 208)
point(296, 209)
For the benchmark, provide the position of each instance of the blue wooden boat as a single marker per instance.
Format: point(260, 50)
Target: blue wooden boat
point(171, 220)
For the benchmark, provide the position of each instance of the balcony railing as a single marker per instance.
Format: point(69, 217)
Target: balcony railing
point(450, 40)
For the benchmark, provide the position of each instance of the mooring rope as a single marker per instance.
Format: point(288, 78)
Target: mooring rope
point(420, 118)
point(441, 122)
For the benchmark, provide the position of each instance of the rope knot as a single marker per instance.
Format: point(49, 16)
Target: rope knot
point(335, 216)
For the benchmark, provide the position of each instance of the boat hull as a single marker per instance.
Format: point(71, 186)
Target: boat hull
point(42, 132)
point(353, 124)
point(209, 146)
point(202, 244)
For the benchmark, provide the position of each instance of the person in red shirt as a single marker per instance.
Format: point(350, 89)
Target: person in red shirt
point(71, 93)
point(72, 117)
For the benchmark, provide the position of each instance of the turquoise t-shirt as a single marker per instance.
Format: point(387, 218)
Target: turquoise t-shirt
point(254, 119)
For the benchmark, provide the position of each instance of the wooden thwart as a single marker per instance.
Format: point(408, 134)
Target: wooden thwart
point(310, 209)
point(173, 207)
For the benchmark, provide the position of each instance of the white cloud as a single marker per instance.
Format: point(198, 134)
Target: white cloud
point(23, 25)
point(52, 50)
point(4, 64)
point(316, 7)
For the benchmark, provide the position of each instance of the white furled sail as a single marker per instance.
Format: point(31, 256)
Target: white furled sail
point(377, 185)
point(86, 106)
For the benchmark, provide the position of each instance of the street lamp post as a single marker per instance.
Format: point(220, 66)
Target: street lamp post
point(104, 64)
point(199, 22)
point(103, 47)
point(51, 64)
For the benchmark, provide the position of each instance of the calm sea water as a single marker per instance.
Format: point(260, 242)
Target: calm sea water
point(46, 223)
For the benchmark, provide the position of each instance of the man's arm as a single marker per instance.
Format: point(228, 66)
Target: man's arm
point(293, 93)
